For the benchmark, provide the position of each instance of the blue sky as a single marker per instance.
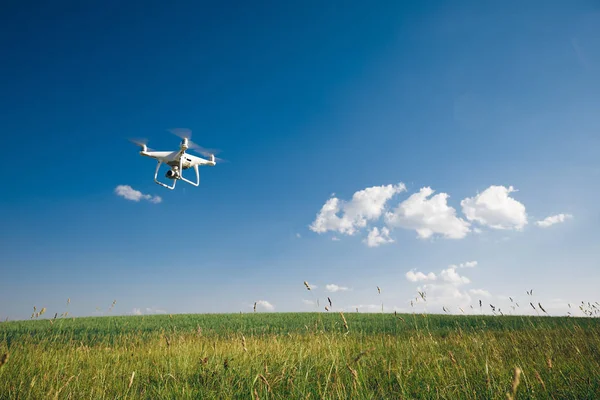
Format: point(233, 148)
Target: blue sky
point(308, 103)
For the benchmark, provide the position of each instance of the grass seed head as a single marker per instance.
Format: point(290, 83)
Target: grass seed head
point(344, 319)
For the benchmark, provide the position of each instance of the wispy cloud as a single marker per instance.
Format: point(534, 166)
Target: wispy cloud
point(335, 288)
point(553, 219)
point(129, 193)
point(468, 264)
point(148, 310)
point(480, 292)
point(265, 305)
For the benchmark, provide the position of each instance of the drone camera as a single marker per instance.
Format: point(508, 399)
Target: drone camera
point(171, 174)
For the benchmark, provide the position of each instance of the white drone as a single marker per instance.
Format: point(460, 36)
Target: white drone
point(179, 160)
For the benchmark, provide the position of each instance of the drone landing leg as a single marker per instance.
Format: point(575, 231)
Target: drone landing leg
point(197, 176)
point(160, 183)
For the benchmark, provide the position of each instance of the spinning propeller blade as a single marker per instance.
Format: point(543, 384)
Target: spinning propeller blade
point(141, 143)
point(185, 133)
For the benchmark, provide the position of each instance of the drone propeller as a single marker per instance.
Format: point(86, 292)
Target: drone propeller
point(141, 143)
point(185, 133)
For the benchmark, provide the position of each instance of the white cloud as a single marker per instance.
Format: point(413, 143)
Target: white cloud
point(335, 239)
point(308, 302)
point(366, 308)
point(148, 310)
point(130, 193)
point(265, 305)
point(468, 264)
point(553, 219)
point(377, 237)
point(445, 290)
point(335, 288)
point(451, 276)
point(495, 208)
point(428, 216)
point(446, 294)
point(480, 292)
point(366, 205)
point(154, 311)
point(419, 276)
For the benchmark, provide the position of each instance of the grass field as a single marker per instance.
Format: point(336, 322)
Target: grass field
point(301, 355)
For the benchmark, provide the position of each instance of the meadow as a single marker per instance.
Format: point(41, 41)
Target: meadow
point(301, 356)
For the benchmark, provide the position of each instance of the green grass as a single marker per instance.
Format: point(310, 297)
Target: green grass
point(301, 355)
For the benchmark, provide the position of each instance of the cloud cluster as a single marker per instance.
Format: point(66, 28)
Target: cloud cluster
point(130, 193)
point(348, 217)
point(428, 215)
point(445, 289)
point(425, 212)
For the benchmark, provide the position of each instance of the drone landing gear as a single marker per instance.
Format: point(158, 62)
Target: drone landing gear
point(176, 174)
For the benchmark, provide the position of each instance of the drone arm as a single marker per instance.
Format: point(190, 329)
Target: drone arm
point(197, 176)
point(160, 183)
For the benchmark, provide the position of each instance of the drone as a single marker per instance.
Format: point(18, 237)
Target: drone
point(179, 160)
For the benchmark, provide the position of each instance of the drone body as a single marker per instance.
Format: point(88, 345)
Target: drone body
point(178, 161)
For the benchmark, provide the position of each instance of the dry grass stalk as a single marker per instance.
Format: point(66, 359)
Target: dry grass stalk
point(63, 386)
point(354, 376)
point(539, 379)
point(515, 384)
point(244, 343)
point(306, 284)
point(549, 362)
point(131, 379)
point(362, 353)
point(452, 357)
point(265, 381)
